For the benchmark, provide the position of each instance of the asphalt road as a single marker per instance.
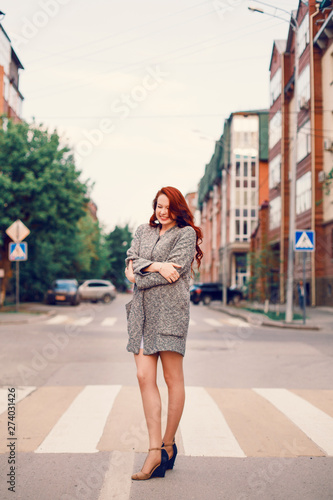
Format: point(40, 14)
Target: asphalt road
point(258, 421)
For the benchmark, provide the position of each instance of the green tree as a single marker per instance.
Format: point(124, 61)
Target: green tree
point(40, 185)
point(117, 242)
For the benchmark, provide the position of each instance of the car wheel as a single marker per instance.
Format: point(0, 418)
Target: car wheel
point(207, 300)
point(107, 298)
point(236, 300)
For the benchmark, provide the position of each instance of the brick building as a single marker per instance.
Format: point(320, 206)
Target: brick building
point(314, 134)
point(234, 185)
point(10, 96)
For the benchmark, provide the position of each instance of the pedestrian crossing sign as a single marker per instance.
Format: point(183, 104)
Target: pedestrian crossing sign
point(18, 251)
point(304, 241)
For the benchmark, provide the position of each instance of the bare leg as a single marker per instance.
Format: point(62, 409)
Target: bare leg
point(151, 400)
point(172, 363)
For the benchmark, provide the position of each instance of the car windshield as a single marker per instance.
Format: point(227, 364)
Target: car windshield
point(65, 285)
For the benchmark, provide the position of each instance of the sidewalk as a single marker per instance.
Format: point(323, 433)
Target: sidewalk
point(316, 317)
point(29, 312)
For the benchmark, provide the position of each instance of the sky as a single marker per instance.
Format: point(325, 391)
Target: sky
point(140, 89)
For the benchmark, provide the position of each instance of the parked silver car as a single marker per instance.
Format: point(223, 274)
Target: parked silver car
point(95, 290)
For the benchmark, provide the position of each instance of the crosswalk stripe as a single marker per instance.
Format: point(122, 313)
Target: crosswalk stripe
point(313, 422)
point(322, 399)
point(236, 322)
point(212, 322)
point(54, 401)
point(56, 320)
point(81, 426)
point(204, 429)
point(20, 393)
point(267, 432)
point(223, 422)
point(109, 321)
point(83, 320)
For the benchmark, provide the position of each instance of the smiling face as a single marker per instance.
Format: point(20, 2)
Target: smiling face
point(163, 214)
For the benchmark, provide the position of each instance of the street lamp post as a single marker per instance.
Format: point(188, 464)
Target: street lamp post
point(292, 186)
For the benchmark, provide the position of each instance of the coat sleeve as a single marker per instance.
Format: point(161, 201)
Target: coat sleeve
point(182, 253)
point(134, 250)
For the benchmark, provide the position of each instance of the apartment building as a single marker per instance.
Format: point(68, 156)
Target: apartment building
point(304, 122)
point(234, 185)
point(10, 96)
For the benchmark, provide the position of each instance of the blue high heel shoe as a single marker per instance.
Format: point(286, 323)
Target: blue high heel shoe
point(171, 460)
point(157, 471)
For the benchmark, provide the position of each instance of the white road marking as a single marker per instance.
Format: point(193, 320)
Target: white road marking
point(204, 429)
point(56, 320)
point(79, 429)
point(192, 322)
point(83, 320)
point(117, 483)
point(316, 424)
point(109, 321)
point(212, 322)
point(20, 393)
point(236, 322)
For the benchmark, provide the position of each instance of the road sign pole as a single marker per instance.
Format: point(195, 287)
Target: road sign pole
point(304, 288)
point(17, 286)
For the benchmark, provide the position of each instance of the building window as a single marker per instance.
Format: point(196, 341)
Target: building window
point(303, 87)
point(275, 171)
point(275, 129)
point(253, 168)
point(253, 213)
point(275, 86)
point(275, 213)
point(237, 168)
point(245, 168)
point(303, 141)
point(245, 228)
point(303, 193)
point(237, 227)
point(303, 35)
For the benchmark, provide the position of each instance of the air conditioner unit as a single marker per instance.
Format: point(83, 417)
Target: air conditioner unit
point(321, 176)
point(328, 145)
point(304, 103)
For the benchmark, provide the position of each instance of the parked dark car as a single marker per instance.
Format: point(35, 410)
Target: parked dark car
point(63, 291)
point(206, 292)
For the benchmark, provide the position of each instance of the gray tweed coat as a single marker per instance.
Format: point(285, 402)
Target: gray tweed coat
point(159, 310)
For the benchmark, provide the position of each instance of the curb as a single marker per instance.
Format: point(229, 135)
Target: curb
point(257, 320)
point(34, 318)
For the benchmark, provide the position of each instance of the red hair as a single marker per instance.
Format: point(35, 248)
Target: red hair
point(180, 212)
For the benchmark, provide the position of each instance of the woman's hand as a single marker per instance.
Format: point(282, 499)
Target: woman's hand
point(168, 271)
point(129, 272)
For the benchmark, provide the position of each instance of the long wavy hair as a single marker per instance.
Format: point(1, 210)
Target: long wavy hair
point(180, 212)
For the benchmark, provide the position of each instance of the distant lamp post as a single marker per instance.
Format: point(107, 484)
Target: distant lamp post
point(2, 15)
point(292, 205)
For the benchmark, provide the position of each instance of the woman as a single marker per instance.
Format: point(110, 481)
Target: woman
point(159, 262)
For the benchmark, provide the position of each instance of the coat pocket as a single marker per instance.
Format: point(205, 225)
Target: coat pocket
point(174, 317)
